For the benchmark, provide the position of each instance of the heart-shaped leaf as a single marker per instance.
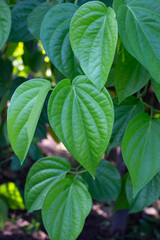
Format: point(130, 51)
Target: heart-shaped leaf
point(41, 177)
point(55, 38)
point(139, 27)
point(93, 35)
point(130, 76)
point(23, 114)
point(123, 114)
point(65, 208)
point(82, 118)
point(36, 17)
point(140, 150)
point(19, 30)
point(107, 183)
point(148, 195)
point(5, 22)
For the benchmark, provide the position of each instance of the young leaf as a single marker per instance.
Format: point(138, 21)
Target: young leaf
point(19, 30)
point(82, 118)
point(23, 114)
point(107, 183)
point(42, 176)
point(140, 149)
point(5, 22)
point(124, 113)
point(12, 196)
point(36, 17)
point(65, 208)
point(156, 88)
point(55, 38)
point(138, 24)
point(93, 35)
point(148, 195)
point(130, 76)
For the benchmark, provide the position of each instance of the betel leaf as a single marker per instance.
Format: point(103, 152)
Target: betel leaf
point(140, 149)
point(65, 208)
point(5, 22)
point(36, 17)
point(23, 114)
point(130, 76)
point(156, 88)
point(42, 176)
point(107, 183)
point(19, 30)
point(82, 118)
point(138, 24)
point(55, 38)
point(148, 195)
point(93, 35)
point(123, 114)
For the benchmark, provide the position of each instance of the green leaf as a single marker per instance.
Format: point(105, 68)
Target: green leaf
point(93, 35)
point(148, 195)
point(130, 76)
point(42, 176)
point(12, 196)
point(55, 38)
point(5, 22)
point(123, 114)
point(65, 208)
point(156, 88)
point(19, 30)
point(82, 118)
point(138, 24)
point(107, 183)
point(140, 149)
point(3, 212)
point(36, 17)
point(23, 114)
point(122, 202)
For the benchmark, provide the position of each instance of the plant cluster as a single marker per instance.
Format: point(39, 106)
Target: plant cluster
point(94, 45)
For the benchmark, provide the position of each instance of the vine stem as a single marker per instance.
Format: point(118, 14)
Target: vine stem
point(7, 160)
point(77, 173)
point(150, 107)
point(144, 92)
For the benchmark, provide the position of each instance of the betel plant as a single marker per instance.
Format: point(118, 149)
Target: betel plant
point(83, 44)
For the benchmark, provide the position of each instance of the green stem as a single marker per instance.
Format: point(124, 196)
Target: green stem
point(77, 173)
point(144, 92)
point(150, 107)
point(76, 168)
point(7, 160)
